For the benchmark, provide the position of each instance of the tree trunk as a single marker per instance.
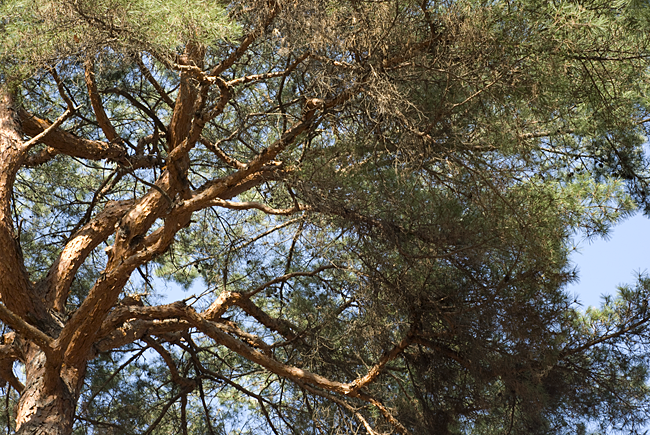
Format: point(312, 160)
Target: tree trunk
point(48, 403)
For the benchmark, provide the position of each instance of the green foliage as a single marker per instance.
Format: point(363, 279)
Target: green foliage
point(442, 199)
point(40, 33)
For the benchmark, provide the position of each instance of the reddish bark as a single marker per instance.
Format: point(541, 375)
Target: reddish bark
point(56, 352)
point(48, 402)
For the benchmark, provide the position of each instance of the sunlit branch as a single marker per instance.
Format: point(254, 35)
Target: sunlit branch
point(96, 101)
point(259, 77)
point(258, 357)
point(230, 161)
point(377, 368)
point(67, 143)
point(63, 271)
point(134, 330)
point(149, 76)
point(20, 326)
point(258, 206)
point(34, 140)
point(283, 327)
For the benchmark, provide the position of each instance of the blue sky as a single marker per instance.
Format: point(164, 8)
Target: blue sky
point(604, 264)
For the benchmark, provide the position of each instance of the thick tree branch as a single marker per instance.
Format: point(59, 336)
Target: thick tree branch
point(285, 328)
point(295, 374)
point(67, 143)
point(41, 157)
point(181, 121)
point(155, 204)
point(80, 332)
point(134, 330)
point(48, 130)
point(56, 284)
point(123, 314)
point(228, 299)
point(28, 331)
point(219, 188)
point(96, 102)
point(258, 357)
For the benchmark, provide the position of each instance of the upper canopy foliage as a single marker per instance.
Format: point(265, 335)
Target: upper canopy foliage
point(380, 193)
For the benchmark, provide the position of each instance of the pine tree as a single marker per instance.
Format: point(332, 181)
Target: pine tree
point(375, 200)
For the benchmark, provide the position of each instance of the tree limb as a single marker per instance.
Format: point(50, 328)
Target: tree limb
point(69, 144)
point(96, 102)
point(56, 283)
point(28, 331)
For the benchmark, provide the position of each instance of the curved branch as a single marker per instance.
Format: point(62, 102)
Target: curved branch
point(296, 374)
point(258, 357)
point(48, 130)
point(10, 352)
point(388, 357)
point(169, 361)
point(227, 299)
point(16, 289)
point(259, 77)
point(135, 330)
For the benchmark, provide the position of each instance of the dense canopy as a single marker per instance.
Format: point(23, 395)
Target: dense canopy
point(373, 203)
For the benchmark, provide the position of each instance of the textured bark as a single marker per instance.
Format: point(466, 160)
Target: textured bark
point(69, 144)
point(15, 287)
point(96, 101)
point(56, 284)
point(48, 399)
point(55, 349)
point(48, 402)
